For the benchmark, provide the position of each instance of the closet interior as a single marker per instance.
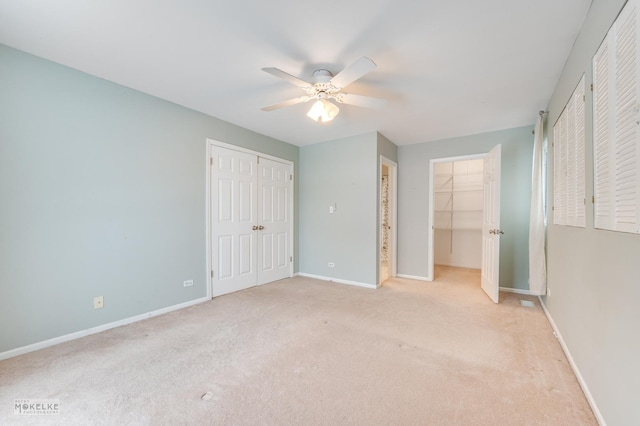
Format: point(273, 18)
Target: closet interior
point(458, 213)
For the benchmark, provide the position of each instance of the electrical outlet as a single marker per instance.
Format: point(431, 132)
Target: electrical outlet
point(98, 302)
point(332, 265)
point(187, 283)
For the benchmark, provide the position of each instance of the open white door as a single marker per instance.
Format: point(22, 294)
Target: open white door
point(490, 275)
point(234, 220)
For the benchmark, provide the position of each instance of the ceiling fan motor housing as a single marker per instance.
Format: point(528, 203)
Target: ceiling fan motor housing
point(322, 76)
point(322, 84)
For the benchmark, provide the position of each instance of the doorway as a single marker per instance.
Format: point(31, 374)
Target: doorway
point(458, 212)
point(388, 224)
point(456, 192)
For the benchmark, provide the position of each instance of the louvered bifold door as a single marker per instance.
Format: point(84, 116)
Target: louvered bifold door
point(616, 91)
point(627, 117)
point(602, 127)
point(570, 163)
point(557, 194)
point(579, 170)
point(560, 171)
point(568, 172)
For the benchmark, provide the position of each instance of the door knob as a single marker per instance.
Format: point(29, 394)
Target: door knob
point(261, 227)
point(255, 227)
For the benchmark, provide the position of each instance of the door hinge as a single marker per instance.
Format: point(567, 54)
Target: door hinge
point(592, 87)
point(290, 258)
point(211, 161)
point(584, 97)
point(258, 160)
point(290, 177)
point(593, 199)
point(212, 273)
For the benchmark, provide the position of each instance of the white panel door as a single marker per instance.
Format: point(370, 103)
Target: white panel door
point(491, 225)
point(274, 201)
point(234, 178)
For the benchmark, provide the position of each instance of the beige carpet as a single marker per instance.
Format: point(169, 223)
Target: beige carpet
point(308, 352)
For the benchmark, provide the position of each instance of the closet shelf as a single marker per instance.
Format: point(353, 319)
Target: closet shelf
point(458, 200)
point(459, 211)
point(470, 228)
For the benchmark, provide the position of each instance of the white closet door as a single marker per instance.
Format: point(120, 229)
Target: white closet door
point(490, 275)
point(234, 211)
point(274, 201)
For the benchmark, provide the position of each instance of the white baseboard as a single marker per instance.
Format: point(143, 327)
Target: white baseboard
point(93, 330)
point(337, 280)
point(574, 367)
point(413, 277)
point(516, 290)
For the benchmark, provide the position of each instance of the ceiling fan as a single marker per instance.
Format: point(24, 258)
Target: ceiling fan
point(326, 86)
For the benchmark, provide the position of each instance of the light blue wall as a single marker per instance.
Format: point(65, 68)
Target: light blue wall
point(102, 192)
point(343, 172)
point(594, 275)
point(413, 199)
point(387, 148)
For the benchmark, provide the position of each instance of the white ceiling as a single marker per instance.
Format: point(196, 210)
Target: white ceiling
point(447, 68)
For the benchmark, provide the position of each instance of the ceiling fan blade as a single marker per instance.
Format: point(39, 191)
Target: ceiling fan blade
point(287, 77)
point(286, 103)
point(353, 72)
point(360, 100)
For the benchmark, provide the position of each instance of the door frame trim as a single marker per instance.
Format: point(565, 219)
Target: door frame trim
point(430, 234)
point(210, 143)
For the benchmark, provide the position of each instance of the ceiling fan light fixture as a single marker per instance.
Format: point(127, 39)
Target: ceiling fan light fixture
point(326, 86)
point(323, 111)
